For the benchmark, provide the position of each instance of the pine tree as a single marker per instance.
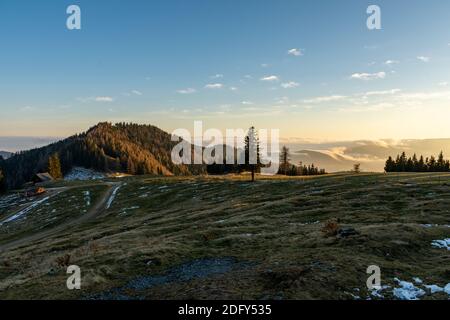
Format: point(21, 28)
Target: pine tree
point(390, 165)
point(252, 155)
point(421, 165)
point(284, 160)
point(440, 165)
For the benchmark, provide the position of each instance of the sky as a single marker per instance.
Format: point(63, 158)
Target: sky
point(309, 68)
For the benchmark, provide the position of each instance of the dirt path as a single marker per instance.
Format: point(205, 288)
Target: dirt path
point(98, 207)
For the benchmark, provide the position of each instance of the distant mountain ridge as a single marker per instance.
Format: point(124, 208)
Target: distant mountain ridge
point(123, 147)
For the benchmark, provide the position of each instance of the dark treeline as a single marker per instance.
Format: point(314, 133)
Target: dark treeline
point(414, 164)
point(123, 147)
point(2, 176)
point(286, 168)
point(251, 141)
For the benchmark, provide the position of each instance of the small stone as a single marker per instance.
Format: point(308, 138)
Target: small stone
point(347, 232)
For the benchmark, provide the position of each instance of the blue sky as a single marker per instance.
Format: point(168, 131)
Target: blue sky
point(227, 63)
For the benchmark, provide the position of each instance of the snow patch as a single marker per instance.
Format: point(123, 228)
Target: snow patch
point(87, 198)
point(447, 289)
point(441, 244)
point(407, 291)
point(376, 292)
point(111, 198)
point(82, 174)
point(434, 288)
point(435, 225)
point(24, 211)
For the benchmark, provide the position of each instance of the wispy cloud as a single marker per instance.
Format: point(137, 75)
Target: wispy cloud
point(27, 108)
point(233, 88)
point(104, 99)
point(368, 76)
point(289, 85)
point(391, 62)
point(214, 86)
point(136, 92)
point(382, 92)
point(424, 59)
point(270, 78)
point(247, 103)
point(187, 91)
point(325, 99)
point(217, 76)
point(295, 52)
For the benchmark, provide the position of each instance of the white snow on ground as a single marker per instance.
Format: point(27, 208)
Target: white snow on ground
point(377, 292)
point(87, 198)
point(417, 280)
point(434, 288)
point(125, 210)
point(78, 173)
point(407, 291)
point(447, 289)
point(441, 244)
point(111, 198)
point(435, 225)
point(24, 211)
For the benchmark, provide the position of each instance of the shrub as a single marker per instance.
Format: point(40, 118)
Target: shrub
point(330, 229)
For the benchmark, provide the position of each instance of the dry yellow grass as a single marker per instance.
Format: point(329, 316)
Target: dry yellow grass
point(274, 224)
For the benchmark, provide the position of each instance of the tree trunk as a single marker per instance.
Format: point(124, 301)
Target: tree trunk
point(253, 173)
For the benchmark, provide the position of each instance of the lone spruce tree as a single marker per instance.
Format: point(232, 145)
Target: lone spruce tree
point(252, 154)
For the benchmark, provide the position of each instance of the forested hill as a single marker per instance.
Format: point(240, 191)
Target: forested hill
point(123, 147)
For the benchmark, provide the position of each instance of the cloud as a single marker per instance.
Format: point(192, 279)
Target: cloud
point(27, 108)
point(217, 76)
point(443, 84)
point(325, 99)
point(295, 52)
point(264, 65)
point(247, 103)
point(103, 99)
point(368, 76)
point(214, 86)
point(414, 96)
point(187, 91)
point(424, 59)
point(136, 92)
point(384, 92)
point(391, 62)
point(270, 78)
point(233, 88)
point(289, 85)
point(368, 108)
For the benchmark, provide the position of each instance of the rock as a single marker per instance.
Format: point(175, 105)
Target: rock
point(52, 272)
point(347, 232)
point(153, 262)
